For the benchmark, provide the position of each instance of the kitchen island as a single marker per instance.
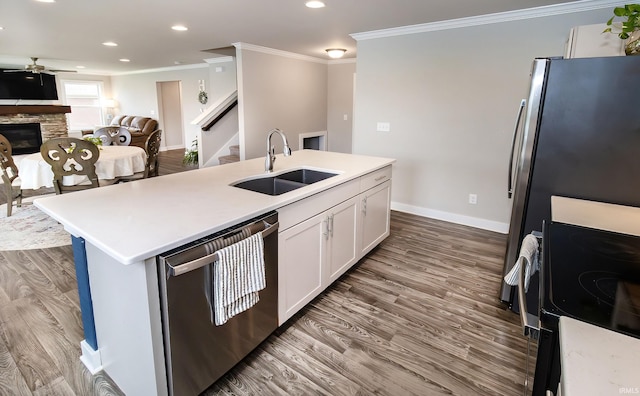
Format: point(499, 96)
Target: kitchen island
point(119, 230)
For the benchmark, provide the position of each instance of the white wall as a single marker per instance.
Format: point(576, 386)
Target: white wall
point(451, 98)
point(136, 94)
point(340, 104)
point(222, 77)
point(276, 90)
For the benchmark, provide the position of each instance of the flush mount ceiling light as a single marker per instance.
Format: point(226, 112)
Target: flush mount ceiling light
point(336, 52)
point(110, 44)
point(125, 60)
point(179, 28)
point(314, 4)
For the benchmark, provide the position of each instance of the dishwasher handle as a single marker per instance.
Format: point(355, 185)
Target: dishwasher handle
point(208, 259)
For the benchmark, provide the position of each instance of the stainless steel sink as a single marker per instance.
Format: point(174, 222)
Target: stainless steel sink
point(285, 182)
point(306, 176)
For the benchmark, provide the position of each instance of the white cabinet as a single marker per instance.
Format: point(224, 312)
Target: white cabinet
point(313, 253)
point(588, 41)
point(322, 236)
point(301, 254)
point(374, 216)
point(342, 239)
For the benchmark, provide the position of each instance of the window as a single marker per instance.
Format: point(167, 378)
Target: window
point(85, 99)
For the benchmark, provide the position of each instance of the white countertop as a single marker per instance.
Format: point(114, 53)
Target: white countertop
point(599, 215)
point(597, 361)
point(137, 220)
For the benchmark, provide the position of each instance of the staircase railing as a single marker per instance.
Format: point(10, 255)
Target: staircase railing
point(216, 111)
point(215, 132)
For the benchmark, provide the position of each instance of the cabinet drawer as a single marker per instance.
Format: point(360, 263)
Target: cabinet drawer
point(299, 211)
point(374, 178)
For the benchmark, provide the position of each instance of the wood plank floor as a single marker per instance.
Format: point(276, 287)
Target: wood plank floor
point(419, 315)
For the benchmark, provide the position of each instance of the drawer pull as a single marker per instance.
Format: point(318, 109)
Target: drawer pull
point(380, 178)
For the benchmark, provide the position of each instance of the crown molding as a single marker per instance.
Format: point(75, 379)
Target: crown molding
point(271, 51)
point(528, 13)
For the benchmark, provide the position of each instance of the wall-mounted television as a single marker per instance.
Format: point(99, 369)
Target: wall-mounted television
point(27, 85)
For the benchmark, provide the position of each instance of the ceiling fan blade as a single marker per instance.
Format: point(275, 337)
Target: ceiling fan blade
point(61, 71)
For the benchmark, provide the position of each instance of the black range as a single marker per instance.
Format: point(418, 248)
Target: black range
point(590, 275)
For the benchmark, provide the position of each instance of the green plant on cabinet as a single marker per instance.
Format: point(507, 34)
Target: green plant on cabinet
point(628, 28)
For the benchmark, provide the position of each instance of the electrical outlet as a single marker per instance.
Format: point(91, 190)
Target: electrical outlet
point(383, 127)
point(473, 199)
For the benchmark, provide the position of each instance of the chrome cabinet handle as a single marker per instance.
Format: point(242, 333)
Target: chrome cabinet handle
point(513, 148)
point(364, 206)
point(331, 227)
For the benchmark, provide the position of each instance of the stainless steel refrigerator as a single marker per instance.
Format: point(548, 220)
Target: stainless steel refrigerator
point(576, 135)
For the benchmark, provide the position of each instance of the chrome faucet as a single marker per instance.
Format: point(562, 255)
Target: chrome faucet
point(271, 153)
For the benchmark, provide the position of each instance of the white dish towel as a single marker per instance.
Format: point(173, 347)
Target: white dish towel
point(238, 275)
point(529, 258)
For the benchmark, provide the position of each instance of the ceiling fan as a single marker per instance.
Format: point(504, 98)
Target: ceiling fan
point(37, 69)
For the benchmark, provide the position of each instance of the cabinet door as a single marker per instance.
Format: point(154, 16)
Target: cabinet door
point(343, 249)
point(588, 41)
point(301, 253)
point(375, 214)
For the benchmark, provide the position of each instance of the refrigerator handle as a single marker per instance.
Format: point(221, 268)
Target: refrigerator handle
point(513, 147)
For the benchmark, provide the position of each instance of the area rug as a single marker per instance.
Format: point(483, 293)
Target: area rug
point(30, 228)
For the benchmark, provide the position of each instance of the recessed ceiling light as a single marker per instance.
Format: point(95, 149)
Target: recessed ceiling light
point(125, 60)
point(1, 28)
point(110, 44)
point(179, 28)
point(79, 67)
point(46, 1)
point(314, 4)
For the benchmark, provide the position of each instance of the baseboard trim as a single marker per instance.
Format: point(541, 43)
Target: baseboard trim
point(167, 148)
point(90, 358)
point(470, 221)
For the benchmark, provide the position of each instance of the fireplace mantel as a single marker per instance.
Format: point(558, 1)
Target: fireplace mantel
point(52, 118)
point(34, 109)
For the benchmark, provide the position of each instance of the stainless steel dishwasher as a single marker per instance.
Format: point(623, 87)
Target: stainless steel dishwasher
point(197, 352)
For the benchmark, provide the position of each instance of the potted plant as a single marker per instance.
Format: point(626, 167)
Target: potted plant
point(191, 156)
point(628, 27)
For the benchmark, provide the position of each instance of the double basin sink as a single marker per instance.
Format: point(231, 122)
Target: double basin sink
point(284, 182)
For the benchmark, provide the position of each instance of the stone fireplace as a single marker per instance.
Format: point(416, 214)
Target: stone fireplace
point(51, 119)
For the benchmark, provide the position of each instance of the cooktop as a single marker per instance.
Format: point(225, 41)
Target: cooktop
point(592, 275)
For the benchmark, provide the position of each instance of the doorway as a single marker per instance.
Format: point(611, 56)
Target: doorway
point(170, 114)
